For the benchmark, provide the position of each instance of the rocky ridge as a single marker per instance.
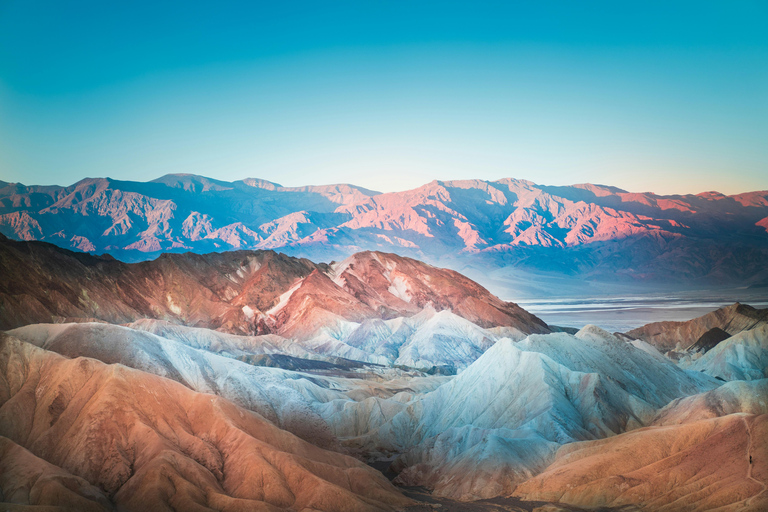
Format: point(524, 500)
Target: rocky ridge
point(241, 292)
point(582, 232)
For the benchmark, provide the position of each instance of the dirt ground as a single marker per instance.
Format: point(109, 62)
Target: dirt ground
point(429, 503)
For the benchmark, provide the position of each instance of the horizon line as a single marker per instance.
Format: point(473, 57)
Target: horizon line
point(616, 190)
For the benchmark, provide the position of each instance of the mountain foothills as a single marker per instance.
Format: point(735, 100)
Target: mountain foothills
point(254, 380)
point(519, 233)
point(247, 292)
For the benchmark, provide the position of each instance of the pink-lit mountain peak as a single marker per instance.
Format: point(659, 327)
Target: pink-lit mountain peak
point(455, 223)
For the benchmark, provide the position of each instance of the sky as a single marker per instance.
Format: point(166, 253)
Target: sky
point(670, 97)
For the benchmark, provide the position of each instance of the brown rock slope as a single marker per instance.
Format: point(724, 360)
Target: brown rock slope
point(151, 444)
point(316, 302)
point(699, 455)
point(240, 383)
point(388, 282)
point(242, 292)
point(695, 466)
point(732, 319)
point(42, 282)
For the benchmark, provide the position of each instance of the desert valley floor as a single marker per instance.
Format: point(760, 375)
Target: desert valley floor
point(251, 380)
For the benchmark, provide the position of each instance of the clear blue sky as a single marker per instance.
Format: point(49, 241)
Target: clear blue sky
point(663, 96)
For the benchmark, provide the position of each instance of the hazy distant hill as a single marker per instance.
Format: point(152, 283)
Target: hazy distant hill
point(507, 230)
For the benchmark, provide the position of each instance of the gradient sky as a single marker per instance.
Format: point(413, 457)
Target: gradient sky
point(667, 96)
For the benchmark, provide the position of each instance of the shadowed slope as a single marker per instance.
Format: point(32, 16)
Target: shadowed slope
point(500, 421)
point(29, 480)
point(743, 356)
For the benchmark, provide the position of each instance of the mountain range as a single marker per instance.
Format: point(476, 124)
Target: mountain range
point(514, 236)
point(242, 292)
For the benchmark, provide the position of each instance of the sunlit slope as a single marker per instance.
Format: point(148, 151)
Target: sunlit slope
point(705, 454)
point(151, 443)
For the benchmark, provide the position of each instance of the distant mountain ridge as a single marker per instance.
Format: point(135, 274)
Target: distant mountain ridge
point(582, 232)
